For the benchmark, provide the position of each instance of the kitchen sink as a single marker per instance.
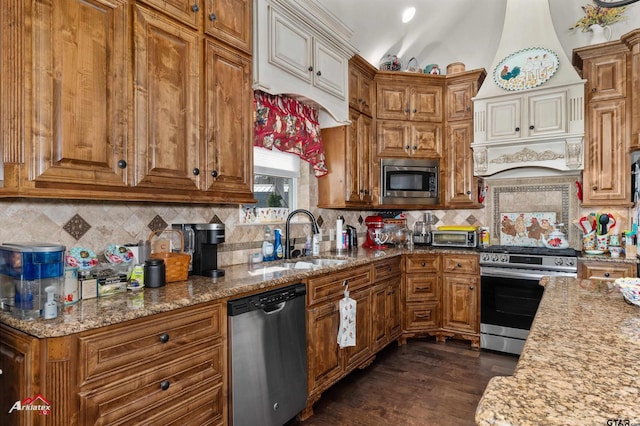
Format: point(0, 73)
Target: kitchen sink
point(298, 264)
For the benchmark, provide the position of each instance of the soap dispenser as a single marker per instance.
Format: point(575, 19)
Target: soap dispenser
point(51, 307)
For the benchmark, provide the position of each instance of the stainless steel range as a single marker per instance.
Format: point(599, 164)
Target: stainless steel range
point(510, 291)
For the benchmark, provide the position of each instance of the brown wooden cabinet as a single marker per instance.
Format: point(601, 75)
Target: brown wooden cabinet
point(460, 185)
point(422, 294)
point(606, 173)
point(609, 271)
point(349, 183)
point(19, 355)
point(632, 40)
point(164, 368)
point(405, 97)
point(165, 115)
point(442, 295)
point(461, 297)
point(406, 139)
point(376, 290)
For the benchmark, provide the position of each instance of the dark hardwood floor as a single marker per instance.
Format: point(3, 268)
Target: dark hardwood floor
point(421, 383)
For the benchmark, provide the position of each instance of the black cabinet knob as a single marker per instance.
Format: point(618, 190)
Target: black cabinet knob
point(406, 110)
point(459, 265)
point(195, 8)
point(594, 187)
point(310, 68)
point(517, 129)
point(471, 287)
point(214, 173)
point(196, 171)
point(606, 274)
point(122, 164)
point(424, 264)
point(531, 127)
point(164, 337)
point(406, 147)
point(594, 89)
point(415, 110)
point(164, 385)
point(212, 17)
point(415, 147)
point(468, 109)
point(318, 73)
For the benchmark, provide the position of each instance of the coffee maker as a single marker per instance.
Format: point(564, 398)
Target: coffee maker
point(201, 241)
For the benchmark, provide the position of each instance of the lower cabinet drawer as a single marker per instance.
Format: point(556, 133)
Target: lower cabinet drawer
point(607, 270)
point(121, 350)
point(422, 316)
point(183, 391)
point(330, 286)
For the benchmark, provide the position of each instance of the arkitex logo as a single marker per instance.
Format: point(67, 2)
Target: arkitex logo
point(37, 403)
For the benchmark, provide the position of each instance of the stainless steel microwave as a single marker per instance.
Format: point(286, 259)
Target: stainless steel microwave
point(409, 181)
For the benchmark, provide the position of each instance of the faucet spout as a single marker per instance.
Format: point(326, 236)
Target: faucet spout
point(314, 229)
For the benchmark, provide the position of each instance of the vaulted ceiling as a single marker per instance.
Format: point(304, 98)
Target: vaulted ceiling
point(446, 31)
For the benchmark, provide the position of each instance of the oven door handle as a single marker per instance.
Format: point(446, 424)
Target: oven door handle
point(521, 273)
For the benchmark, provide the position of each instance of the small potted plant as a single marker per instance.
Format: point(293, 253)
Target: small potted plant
point(596, 19)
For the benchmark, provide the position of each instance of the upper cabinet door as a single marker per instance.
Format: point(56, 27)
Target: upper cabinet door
point(228, 126)
point(230, 21)
point(608, 77)
point(290, 47)
point(426, 103)
point(166, 89)
point(546, 114)
point(79, 95)
point(504, 119)
point(329, 70)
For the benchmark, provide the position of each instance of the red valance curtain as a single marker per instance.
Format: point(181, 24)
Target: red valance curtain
point(290, 126)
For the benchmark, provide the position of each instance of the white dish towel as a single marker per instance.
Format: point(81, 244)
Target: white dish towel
point(347, 330)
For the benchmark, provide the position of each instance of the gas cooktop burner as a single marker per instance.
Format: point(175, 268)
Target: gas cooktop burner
point(540, 251)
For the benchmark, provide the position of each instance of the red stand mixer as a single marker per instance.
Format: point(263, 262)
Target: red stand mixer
point(375, 237)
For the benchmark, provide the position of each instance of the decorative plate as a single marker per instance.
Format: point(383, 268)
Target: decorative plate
point(82, 257)
point(116, 254)
point(526, 69)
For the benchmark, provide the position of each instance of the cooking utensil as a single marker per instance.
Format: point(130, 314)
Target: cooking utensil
point(604, 220)
point(585, 224)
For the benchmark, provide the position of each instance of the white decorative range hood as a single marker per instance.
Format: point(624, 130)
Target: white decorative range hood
point(530, 110)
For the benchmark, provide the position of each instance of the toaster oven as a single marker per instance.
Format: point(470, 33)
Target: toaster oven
point(442, 238)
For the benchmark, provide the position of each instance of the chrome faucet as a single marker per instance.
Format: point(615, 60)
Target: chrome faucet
point(314, 229)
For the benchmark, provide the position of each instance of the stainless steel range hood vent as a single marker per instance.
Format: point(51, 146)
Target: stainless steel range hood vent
point(530, 110)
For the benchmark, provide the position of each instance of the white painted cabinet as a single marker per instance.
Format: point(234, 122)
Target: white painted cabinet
point(296, 51)
point(303, 50)
point(535, 128)
point(535, 115)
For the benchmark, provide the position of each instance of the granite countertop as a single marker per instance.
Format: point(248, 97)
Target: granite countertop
point(237, 281)
point(579, 365)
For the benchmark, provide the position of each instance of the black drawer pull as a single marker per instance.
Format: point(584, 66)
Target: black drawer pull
point(195, 8)
point(424, 264)
point(212, 17)
point(164, 385)
point(606, 274)
point(122, 164)
point(164, 337)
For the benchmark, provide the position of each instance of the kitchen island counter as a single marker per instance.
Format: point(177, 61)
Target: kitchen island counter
point(579, 365)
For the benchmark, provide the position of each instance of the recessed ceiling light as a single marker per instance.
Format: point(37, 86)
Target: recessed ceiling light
point(408, 13)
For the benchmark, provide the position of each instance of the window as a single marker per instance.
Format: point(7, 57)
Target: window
point(275, 180)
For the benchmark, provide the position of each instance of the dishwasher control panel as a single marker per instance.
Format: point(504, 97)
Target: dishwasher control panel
point(266, 299)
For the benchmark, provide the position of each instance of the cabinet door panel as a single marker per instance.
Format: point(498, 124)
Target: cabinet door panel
point(608, 77)
point(460, 310)
point(362, 350)
point(365, 128)
point(504, 119)
point(606, 157)
point(392, 138)
point(394, 309)
point(290, 48)
point(230, 21)
point(392, 101)
point(80, 97)
point(547, 114)
point(426, 140)
point(379, 332)
point(324, 360)
point(329, 70)
point(228, 132)
point(461, 184)
point(426, 104)
point(166, 102)
point(459, 101)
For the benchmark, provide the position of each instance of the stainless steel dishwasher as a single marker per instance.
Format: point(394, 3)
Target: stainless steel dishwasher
point(268, 343)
